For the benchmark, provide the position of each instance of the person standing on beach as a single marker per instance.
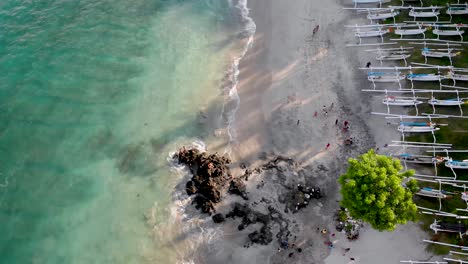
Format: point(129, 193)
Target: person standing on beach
point(316, 29)
point(328, 145)
point(336, 122)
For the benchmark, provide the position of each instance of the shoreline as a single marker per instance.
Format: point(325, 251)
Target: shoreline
point(287, 76)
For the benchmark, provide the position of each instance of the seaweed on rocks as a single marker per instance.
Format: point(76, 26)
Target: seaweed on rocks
point(210, 177)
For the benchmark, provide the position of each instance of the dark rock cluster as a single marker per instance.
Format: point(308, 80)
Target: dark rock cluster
point(263, 236)
point(210, 177)
point(299, 197)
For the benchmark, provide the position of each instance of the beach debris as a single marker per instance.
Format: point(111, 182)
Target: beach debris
point(210, 177)
point(346, 224)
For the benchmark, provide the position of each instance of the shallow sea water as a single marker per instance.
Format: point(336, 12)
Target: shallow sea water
point(94, 94)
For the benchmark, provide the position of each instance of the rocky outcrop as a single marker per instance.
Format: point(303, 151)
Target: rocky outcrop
point(238, 187)
point(210, 177)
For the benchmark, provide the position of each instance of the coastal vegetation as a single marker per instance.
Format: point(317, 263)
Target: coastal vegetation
point(373, 191)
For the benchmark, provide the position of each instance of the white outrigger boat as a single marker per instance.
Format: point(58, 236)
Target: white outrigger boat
point(391, 100)
point(420, 12)
point(439, 53)
point(454, 10)
point(457, 77)
point(419, 159)
point(385, 76)
point(429, 192)
point(424, 77)
point(371, 33)
point(417, 127)
point(445, 102)
point(380, 2)
point(409, 32)
point(456, 164)
point(384, 14)
point(393, 56)
point(447, 32)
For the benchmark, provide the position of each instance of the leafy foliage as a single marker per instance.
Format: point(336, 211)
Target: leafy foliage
point(372, 191)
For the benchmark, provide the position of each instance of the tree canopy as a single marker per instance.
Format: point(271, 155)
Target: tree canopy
point(372, 191)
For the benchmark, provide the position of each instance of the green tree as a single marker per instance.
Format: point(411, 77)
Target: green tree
point(372, 191)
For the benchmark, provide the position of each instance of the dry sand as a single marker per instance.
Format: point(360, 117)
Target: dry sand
point(287, 76)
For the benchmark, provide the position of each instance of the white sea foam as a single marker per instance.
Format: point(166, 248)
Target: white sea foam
point(249, 32)
point(199, 230)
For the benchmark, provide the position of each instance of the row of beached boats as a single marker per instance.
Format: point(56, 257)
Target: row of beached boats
point(379, 30)
point(429, 160)
point(421, 77)
point(403, 53)
point(412, 101)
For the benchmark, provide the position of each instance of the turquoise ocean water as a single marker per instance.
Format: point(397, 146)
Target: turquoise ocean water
point(94, 94)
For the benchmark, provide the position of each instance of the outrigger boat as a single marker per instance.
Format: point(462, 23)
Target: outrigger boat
point(448, 227)
point(371, 33)
point(391, 100)
point(409, 32)
point(457, 10)
point(424, 77)
point(419, 159)
point(429, 192)
point(417, 127)
point(457, 77)
point(447, 32)
point(382, 14)
point(439, 53)
point(456, 164)
point(356, 2)
point(420, 12)
point(393, 56)
point(445, 102)
point(385, 76)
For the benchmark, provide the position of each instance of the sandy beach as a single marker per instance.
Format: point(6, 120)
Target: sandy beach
point(296, 90)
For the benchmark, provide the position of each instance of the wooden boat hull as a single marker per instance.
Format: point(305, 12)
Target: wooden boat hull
point(392, 57)
point(431, 193)
point(370, 34)
point(401, 102)
point(370, 1)
point(457, 11)
point(408, 32)
point(457, 164)
point(445, 102)
point(436, 54)
point(425, 78)
point(448, 32)
point(458, 77)
point(417, 129)
point(382, 15)
point(385, 78)
point(423, 14)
